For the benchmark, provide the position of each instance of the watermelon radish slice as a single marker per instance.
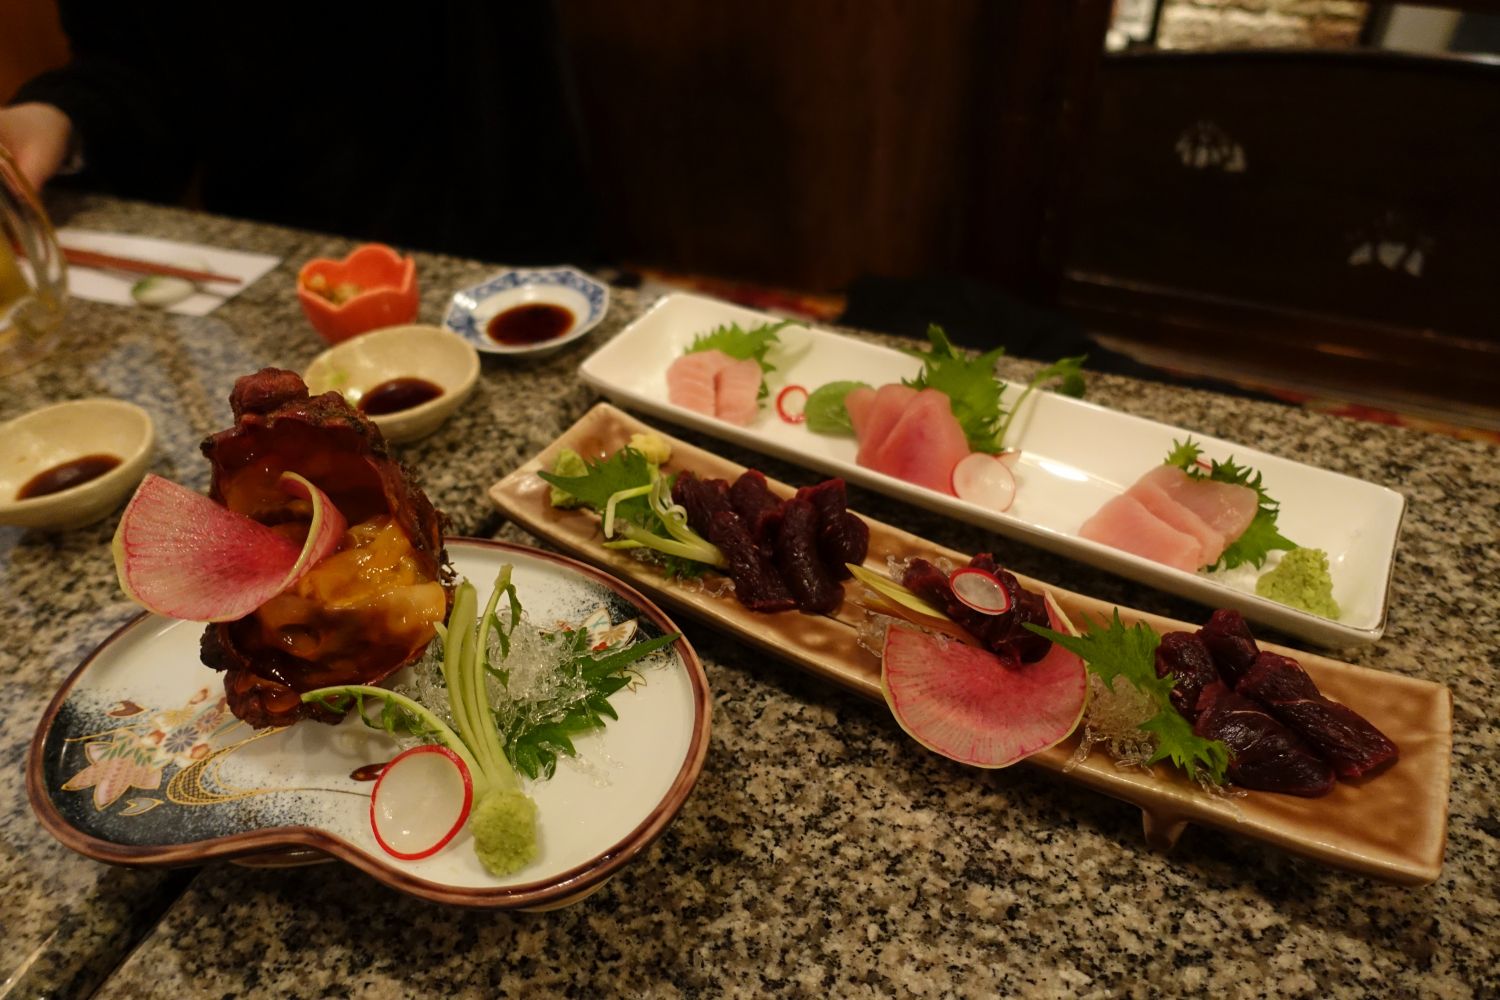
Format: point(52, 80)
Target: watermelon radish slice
point(980, 590)
point(182, 555)
point(985, 480)
point(969, 705)
point(420, 802)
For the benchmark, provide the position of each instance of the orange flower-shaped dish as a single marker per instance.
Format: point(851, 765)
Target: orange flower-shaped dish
point(371, 288)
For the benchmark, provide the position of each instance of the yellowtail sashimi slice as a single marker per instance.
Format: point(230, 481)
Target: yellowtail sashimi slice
point(976, 708)
point(182, 555)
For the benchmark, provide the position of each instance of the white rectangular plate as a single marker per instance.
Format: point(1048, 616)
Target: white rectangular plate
point(1074, 456)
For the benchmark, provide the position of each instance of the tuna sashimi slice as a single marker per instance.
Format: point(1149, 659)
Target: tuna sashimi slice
point(924, 444)
point(690, 380)
point(1125, 524)
point(737, 392)
point(1156, 500)
point(891, 401)
point(1226, 507)
point(858, 403)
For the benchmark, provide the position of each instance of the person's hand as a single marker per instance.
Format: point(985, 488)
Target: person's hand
point(37, 137)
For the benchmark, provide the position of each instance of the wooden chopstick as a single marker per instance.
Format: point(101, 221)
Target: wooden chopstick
point(91, 258)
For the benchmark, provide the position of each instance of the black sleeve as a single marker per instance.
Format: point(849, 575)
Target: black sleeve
point(122, 90)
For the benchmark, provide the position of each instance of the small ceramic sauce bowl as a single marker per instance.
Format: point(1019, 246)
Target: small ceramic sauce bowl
point(361, 365)
point(582, 299)
point(45, 439)
point(381, 287)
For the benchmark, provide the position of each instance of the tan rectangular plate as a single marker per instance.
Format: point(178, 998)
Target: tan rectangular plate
point(1391, 826)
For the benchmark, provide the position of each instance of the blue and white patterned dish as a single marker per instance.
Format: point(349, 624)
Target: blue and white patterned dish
point(472, 308)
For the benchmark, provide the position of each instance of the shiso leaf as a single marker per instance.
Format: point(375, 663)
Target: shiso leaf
point(1111, 651)
point(1261, 537)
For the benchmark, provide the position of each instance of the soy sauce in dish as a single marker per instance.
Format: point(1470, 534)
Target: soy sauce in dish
point(67, 475)
point(530, 323)
point(397, 394)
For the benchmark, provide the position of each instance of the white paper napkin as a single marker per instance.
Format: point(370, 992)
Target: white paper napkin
point(114, 286)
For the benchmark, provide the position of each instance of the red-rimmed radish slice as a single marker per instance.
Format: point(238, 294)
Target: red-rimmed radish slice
point(980, 590)
point(983, 479)
point(1010, 459)
point(791, 403)
point(182, 555)
point(973, 707)
point(420, 801)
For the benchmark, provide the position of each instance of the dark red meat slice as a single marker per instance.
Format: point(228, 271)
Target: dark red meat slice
point(702, 499)
point(710, 513)
point(842, 537)
point(1185, 656)
point(1228, 638)
point(756, 584)
point(1345, 737)
point(1030, 607)
point(757, 506)
point(1263, 754)
point(798, 561)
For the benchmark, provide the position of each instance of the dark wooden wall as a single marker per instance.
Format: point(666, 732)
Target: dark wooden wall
point(807, 142)
point(1333, 213)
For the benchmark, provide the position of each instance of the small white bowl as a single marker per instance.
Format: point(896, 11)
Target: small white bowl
point(358, 365)
point(44, 439)
point(472, 308)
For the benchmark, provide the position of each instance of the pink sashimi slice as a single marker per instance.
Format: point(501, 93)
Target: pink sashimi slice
point(924, 444)
point(858, 404)
point(1156, 500)
point(1226, 507)
point(182, 555)
point(1124, 523)
point(973, 707)
point(737, 392)
point(891, 401)
point(690, 380)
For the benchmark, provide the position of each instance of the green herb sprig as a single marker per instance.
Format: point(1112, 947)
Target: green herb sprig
point(1112, 651)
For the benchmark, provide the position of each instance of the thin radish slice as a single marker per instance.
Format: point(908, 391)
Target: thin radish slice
point(980, 590)
point(1010, 459)
point(420, 801)
point(983, 479)
point(969, 705)
point(789, 411)
point(182, 555)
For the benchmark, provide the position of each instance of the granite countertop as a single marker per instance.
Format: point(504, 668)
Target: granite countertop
point(822, 853)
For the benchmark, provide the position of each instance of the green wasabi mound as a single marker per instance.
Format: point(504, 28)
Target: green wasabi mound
point(504, 828)
point(1301, 580)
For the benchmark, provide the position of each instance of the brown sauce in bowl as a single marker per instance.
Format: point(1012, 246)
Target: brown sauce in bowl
point(531, 323)
point(397, 394)
point(67, 475)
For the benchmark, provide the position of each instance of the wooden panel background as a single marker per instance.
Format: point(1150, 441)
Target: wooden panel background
point(30, 41)
point(807, 142)
point(1338, 218)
